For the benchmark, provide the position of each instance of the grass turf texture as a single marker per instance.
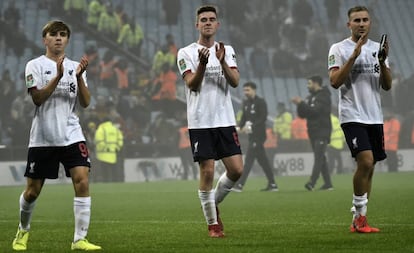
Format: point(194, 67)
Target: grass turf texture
point(166, 217)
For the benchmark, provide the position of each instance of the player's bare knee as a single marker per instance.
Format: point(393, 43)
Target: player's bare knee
point(366, 165)
point(238, 172)
point(31, 195)
point(81, 186)
point(235, 173)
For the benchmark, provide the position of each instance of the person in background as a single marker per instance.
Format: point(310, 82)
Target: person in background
point(11, 15)
point(170, 44)
point(162, 56)
point(94, 69)
point(89, 133)
point(282, 124)
point(95, 8)
point(336, 146)
point(392, 128)
point(171, 10)
point(18, 124)
point(317, 109)
point(7, 95)
point(57, 85)
point(15, 40)
point(108, 24)
point(184, 149)
point(162, 134)
point(109, 141)
point(253, 123)
point(107, 77)
point(165, 85)
point(76, 9)
point(130, 36)
point(299, 129)
point(209, 70)
point(359, 68)
point(121, 71)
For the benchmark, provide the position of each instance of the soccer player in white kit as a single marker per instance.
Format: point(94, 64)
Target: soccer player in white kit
point(56, 84)
point(357, 70)
point(209, 70)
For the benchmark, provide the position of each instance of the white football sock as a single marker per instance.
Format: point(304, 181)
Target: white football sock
point(208, 205)
point(360, 203)
point(82, 211)
point(223, 187)
point(26, 210)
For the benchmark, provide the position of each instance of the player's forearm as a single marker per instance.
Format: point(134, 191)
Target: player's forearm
point(84, 94)
point(385, 77)
point(39, 96)
point(338, 77)
point(231, 74)
point(194, 80)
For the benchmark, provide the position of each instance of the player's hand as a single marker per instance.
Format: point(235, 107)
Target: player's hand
point(220, 51)
point(248, 129)
point(59, 66)
point(83, 64)
point(203, 54)
point(385, 55)
point(361, 41)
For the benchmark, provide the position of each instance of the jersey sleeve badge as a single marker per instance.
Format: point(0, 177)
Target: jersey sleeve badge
point(182, 64)
point(29, 80)
point(331, 60)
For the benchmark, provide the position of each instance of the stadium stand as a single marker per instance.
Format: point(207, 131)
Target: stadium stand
point(393, 17)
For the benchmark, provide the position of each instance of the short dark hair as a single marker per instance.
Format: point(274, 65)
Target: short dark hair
point(55, 26)
point(206, 8)
point(251, 85)
point(316, 79)
point(357, 8)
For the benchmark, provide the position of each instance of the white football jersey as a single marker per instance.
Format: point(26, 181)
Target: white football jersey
point(359, 96)
point(211, 106)
point(55, 122)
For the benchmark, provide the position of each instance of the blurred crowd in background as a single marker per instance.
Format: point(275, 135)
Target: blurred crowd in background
point(134, 80)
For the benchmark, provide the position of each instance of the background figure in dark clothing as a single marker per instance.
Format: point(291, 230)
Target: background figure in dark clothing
point(11, 15)
point(172, 9)
point(14, 38)
point(7, 95)
point(253, 123)
point(317, 109)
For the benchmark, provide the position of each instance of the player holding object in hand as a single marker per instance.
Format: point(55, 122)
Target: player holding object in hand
point(56, 84)
point(209, 70)
point(359, 74)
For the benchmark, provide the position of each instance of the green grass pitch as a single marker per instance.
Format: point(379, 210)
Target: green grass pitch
point(166, 217)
